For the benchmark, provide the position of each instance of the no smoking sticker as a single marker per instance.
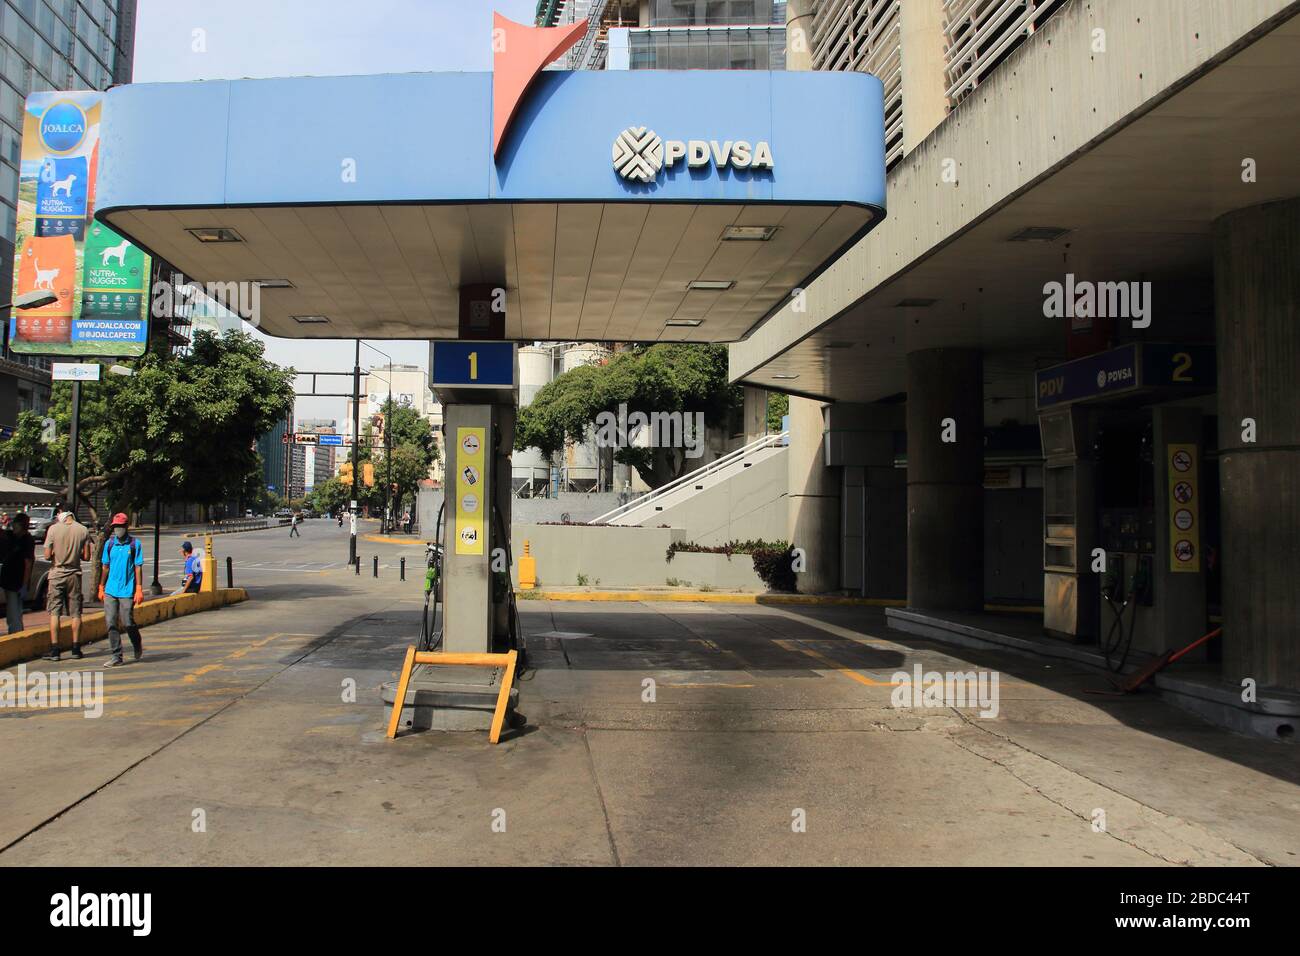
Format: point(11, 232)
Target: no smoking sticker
point(470, 444)
point(1182, 461)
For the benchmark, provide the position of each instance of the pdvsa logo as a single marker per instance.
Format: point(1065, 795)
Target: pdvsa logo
point(63, 127)
point(639, 154)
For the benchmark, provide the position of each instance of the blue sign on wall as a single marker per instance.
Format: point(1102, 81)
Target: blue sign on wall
point(485, 364)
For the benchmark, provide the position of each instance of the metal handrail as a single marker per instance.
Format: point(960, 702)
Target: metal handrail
point(767, 441)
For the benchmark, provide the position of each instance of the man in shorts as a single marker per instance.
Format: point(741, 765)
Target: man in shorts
point(67, 544)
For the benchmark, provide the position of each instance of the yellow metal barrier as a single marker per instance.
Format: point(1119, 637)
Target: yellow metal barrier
point(414, 657)
point(527, 569)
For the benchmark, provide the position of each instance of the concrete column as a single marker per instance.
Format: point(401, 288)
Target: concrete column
point(813, 518)
point(798, 34)
point(1257, 318)
point(925, 97)
point(814, 512)
point(860, 441)
point(755, 413)
point(945, 479)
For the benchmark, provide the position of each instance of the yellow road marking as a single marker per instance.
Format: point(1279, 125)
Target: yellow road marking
point(835, 665)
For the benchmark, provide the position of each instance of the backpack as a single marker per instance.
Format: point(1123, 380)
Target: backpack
point(133, 543)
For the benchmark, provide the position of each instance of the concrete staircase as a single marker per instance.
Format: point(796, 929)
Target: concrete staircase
point(741, 495)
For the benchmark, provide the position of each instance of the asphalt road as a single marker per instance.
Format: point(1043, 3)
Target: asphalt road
point(655, 734)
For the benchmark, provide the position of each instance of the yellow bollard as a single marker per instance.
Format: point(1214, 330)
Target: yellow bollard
point(209, 582)
point(527, 570)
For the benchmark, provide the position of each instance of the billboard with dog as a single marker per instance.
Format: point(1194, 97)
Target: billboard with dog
point(100, 278)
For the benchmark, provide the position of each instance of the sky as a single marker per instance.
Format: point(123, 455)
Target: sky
point(264, 38)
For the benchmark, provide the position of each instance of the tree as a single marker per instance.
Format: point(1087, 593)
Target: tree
point(778, 406)
point(658, 378)
point(413, 446)
point(181, 427)
point(333, 496)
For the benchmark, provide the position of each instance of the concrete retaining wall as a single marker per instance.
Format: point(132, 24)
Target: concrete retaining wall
point(614, 556)
point(32, 643)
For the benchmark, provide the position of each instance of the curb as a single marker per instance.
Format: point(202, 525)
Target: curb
point(708, 597)
point(383, 539)
point(35, 641)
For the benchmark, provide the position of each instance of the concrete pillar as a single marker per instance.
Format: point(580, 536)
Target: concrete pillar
point(945, 479)
point(755, 413)
point(813, 517)
point(814, 512)
point(798, 34)
point(925, 96)
point(860, 441)
point(1257, 318)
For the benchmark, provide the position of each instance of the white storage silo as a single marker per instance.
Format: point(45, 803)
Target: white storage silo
point(530, 466)
point(582, 460)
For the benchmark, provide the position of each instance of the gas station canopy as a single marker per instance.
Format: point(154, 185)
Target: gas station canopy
point(626, 205)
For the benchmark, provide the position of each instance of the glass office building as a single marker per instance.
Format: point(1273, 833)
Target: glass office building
point(673, 34)
point(47, 45)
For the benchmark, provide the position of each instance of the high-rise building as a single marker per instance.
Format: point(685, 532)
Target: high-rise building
point(673, 34)
point(320, 458)
point(409, 386)
point(274, 452)
point(47, 45)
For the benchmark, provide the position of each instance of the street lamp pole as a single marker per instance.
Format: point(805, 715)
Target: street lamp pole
point(72, 448)
point(356, 447)
point(156, 587)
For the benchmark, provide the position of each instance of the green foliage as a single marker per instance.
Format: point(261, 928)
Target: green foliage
point(414, 451)
point(181, 427)
point(666, 377)
point(775, 566)
point(331, 496)
point(773, 560)
point(778, 405)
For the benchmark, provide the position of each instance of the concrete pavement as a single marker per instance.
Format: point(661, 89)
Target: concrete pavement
point(655, 734)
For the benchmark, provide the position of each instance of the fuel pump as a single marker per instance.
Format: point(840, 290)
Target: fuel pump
point(1123, 441)
point(469, 562)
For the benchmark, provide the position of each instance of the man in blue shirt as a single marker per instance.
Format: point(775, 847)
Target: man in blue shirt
point(191, 570)
point(122, 588)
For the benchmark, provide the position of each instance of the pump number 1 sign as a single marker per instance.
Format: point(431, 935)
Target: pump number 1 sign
point(470, 503)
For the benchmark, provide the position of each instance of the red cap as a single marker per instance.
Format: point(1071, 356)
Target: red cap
point(119, 518)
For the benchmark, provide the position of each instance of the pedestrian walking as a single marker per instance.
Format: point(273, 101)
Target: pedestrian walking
point(19, 549)
point(293, 525)
point(122, 589)
point(67, 544)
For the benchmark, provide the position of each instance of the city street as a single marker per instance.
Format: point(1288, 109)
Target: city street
point(769, 737)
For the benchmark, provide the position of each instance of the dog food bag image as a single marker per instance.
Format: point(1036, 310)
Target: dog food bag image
point(112, 290)
point(61, 197)
point(46, 263)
